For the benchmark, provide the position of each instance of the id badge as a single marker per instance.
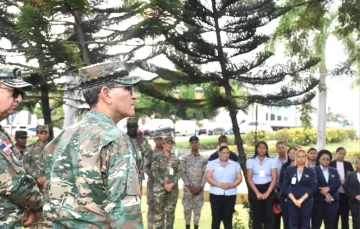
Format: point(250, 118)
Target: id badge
point(293, 180)
point(171, 171)
point(262, 173)
point(221, 169)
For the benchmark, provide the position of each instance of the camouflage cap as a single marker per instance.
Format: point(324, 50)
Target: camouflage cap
point(169, 139)
point(132, 121)
point(106, 72)
point(11, 76)
point(21, 134)
point(41, 128)
point(158, 135)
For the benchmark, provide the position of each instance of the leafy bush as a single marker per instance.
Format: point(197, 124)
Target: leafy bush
point(249, 139)
point(308, 136)
point(351, 134)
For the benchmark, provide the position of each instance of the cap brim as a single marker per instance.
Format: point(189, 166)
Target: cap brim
point(128, 80)
point(169, 141)
point(18, 83)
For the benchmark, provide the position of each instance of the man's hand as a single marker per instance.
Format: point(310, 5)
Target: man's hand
point(168, 187)
point(197, 190)
point(328, 199)
point(191, 188)
point(298, 203)
point(41, 180)
point(357, 197)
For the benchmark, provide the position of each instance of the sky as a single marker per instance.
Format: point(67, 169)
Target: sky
point(341, 98)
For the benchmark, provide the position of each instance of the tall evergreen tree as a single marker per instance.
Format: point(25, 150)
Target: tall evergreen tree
point(216, 33)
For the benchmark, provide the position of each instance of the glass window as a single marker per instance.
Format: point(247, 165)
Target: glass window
point(272, 117)
point(267, 116)
point(285, 118)
point(279, 118)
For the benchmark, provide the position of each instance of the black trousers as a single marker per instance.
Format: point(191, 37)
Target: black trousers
point(283, 214)
point(355, 213)
point(222, 209)
point(327, 212)
point(343, 211)
point(262, 209)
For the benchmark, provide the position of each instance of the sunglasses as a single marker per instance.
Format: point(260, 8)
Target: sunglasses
point(15, 92)
point(129, 88)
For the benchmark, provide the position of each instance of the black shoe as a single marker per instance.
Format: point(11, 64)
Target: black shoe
point(187, 226)
point(196, 226)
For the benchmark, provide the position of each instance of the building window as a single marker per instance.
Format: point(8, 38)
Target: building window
point(279, 118)
point(285, 118)
point(267, 116)
point(272, 117)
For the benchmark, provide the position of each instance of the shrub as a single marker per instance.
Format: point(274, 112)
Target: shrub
point(249, 139)
point(351, 134)
point(308, 136)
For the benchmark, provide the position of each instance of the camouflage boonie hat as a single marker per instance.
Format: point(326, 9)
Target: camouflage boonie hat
point(169, 139)
point(133, 121)
point(106, 72)
point(41, 128)
point(11, 76)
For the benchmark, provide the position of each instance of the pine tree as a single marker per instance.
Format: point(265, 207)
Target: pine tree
point(233, 25)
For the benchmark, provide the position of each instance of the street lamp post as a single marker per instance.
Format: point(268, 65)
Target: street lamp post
point(199, 95)
point(176, 95)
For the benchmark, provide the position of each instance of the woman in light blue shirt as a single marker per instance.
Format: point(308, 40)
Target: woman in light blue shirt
point(261, 176)
point(223, 175)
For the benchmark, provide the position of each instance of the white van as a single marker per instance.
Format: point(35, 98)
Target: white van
point(185, 127)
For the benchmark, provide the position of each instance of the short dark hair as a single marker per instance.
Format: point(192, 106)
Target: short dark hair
point(280, 143)
point(223, 138)
point(91, 94)
point(340, 148)
point(223, 147)
point(322, 152)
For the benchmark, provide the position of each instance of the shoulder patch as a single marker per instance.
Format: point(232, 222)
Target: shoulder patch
point(16, 160)
point(7, 147)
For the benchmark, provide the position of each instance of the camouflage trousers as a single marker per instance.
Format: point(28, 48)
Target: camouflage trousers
point(192, 203)
point(165, 204)
point(150, 203)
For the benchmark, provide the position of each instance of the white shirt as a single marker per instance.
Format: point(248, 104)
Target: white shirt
point(341, 170)
point(358, 176)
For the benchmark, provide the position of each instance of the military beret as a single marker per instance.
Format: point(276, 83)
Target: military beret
point(169, 139)
point(133, 121)
point(11, 76)
point(41, 128)
point(193, 138)
point(21, 134)
point(106, 72)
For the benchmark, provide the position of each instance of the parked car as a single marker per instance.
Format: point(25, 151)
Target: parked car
point(212, 128)
point(185, 127)
point(247, 127)
point(166, 126)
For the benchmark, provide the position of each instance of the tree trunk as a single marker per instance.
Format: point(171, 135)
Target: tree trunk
point(321, 113)
point(46, 111)
point(81, 38)
point(70, 106)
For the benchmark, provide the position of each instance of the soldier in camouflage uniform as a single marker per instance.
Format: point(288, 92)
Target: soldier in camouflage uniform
point(166, 171)
point(20, 144)
point(34, 162)
point(92, 177)
point(20, 198)
point(157, 151)
point(142, 145)
point(193, 166)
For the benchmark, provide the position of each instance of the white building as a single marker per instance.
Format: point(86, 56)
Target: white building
point(22, 118)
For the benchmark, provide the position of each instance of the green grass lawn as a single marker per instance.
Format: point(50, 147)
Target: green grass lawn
point(205, 219)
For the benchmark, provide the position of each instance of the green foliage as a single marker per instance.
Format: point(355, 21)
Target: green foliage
point(351, 134)
point(305, 115)
point(262, 135)
point(237, 223)
point(308, 136)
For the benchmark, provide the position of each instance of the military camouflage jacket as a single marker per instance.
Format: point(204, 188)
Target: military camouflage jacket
point(193, 169)
point(92, 177)
point(18, 191)
point(166, 170)
point(145, 153)
point(147, 163)
point(19, 154)
point(34, 159)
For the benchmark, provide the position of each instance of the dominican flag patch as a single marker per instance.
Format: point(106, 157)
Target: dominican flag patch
point(7, 147)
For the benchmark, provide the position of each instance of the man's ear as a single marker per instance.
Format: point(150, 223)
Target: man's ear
point(104, 95)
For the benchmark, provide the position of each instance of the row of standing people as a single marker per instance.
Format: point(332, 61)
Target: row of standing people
point(306, 188)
